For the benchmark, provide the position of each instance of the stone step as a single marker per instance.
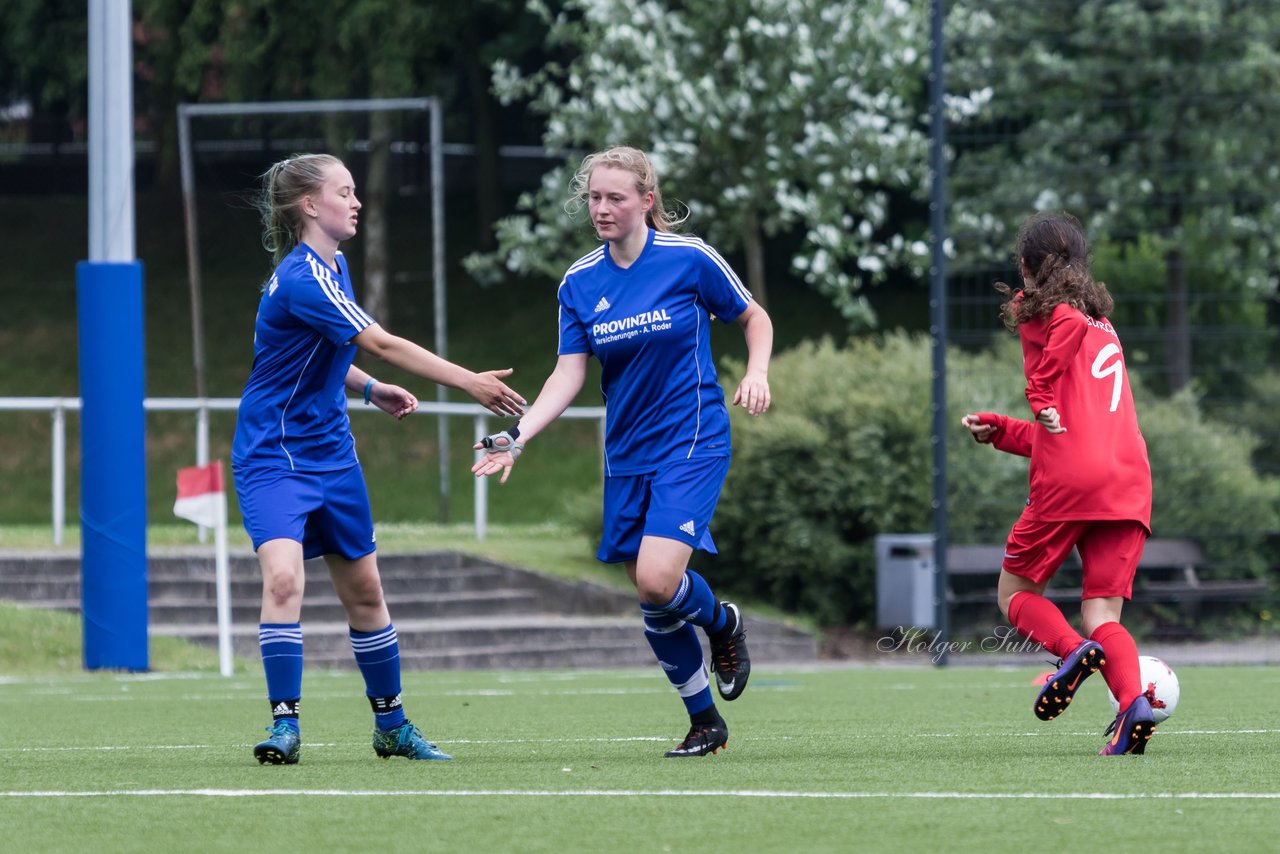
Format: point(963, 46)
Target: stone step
point(450, 611)
point(165, 584)
point(186, 611)
point(199, 565)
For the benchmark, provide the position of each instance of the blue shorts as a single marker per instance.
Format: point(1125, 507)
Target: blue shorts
point(328, 512)
point(676, 502)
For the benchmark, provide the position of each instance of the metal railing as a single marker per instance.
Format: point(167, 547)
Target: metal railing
point(58, 407)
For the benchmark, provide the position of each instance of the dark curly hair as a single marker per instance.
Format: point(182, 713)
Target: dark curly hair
point(1054, 257)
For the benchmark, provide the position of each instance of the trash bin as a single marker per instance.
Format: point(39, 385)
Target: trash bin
point(905, 581)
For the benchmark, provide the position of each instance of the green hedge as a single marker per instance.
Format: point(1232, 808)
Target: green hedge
point(844, 454)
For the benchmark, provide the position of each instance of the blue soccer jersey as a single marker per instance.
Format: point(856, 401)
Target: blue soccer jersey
point(293, 412)
point(649, 325)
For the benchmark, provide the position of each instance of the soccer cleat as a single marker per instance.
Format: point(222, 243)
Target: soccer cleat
point(1131, 730)
point(405, 740)
point(701, 740)
point(730, 660)
point(1061, 687)
point(281, 748)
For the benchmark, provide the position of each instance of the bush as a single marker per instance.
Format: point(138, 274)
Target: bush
point(844, 454)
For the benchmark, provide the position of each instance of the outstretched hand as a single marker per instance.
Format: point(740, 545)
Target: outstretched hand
point(493, 394)
point(393, 400)
point(502, 449)
point(493, 463)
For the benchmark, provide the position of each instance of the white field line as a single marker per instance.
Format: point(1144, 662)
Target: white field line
point(256, 691)
point(627, 739)
point(639, 793)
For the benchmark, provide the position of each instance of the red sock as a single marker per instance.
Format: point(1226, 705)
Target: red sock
point(1122, 672)
point(1039, 620)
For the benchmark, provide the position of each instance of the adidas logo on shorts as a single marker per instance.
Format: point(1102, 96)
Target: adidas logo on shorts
point(688, 528)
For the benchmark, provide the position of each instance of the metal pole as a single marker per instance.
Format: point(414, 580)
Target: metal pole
point(938, 316)
point(59, 473)
point(481, 498)
point(111, 221)
point(222, 586)
point(185, 156)
point(202, 453)
point(438, 278)
point(110, 313)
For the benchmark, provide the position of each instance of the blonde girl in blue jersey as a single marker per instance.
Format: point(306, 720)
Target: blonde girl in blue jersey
point(642, 304)
point(299, 483)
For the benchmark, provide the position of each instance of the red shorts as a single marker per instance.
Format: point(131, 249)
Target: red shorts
point(1109, 553)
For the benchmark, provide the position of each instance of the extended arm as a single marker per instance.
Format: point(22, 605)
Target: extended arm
point(1011, 435)
point(753, 391)
point(487, 387)
point(557, 393)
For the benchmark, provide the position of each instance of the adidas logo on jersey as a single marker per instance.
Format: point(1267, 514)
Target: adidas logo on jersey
point(602, 305)
point(688, 528)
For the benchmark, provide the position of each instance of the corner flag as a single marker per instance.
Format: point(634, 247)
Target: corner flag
point(202, 499)
point(200, 494)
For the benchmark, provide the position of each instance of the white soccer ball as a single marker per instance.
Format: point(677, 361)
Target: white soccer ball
point(1159, 683)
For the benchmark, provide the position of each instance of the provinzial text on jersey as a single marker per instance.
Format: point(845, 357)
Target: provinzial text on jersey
point(644, 318)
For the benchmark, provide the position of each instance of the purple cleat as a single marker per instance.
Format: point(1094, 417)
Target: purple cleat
point(1131, 730)
point(1059, 688)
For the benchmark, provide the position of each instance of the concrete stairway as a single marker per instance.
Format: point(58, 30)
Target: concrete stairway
point(450, 611)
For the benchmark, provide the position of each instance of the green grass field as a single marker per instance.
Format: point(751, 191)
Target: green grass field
point(819, 759)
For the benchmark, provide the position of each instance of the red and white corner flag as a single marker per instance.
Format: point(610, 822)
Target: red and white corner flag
point(200, 494)
point(202, 498)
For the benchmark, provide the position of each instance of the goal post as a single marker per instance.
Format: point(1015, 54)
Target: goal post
point(431, 108)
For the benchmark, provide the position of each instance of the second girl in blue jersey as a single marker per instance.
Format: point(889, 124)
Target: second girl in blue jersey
point(642, 304)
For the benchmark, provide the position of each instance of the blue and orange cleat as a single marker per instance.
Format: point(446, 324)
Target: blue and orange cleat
point(1059, 688)
point(1131, 730)
point(405, 740)
point(281, 748)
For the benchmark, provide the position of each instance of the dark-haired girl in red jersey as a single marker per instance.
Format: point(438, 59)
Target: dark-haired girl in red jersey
point(1090, 478)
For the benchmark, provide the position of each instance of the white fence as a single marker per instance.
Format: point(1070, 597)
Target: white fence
point(58, 407)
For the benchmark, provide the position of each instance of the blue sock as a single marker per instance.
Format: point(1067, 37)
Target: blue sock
point(679, 652)
point(695, 603)
point(378, 657)
point(281, 646)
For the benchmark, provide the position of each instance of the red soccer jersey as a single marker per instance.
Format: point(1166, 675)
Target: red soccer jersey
point(1098, 468)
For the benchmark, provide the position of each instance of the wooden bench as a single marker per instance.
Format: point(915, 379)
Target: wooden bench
point(1167, 572)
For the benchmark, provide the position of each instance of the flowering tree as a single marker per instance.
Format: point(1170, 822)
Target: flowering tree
point(764, 117)
point(1155, 122)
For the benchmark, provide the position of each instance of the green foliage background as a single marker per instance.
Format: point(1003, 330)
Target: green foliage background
point(845, 455)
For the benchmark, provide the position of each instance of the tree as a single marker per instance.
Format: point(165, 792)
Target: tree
point(763, 117)
point(1156, 122)
point(46, 59)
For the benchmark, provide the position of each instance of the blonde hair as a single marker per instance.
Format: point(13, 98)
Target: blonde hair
point(284, 186)
point(637, 163)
